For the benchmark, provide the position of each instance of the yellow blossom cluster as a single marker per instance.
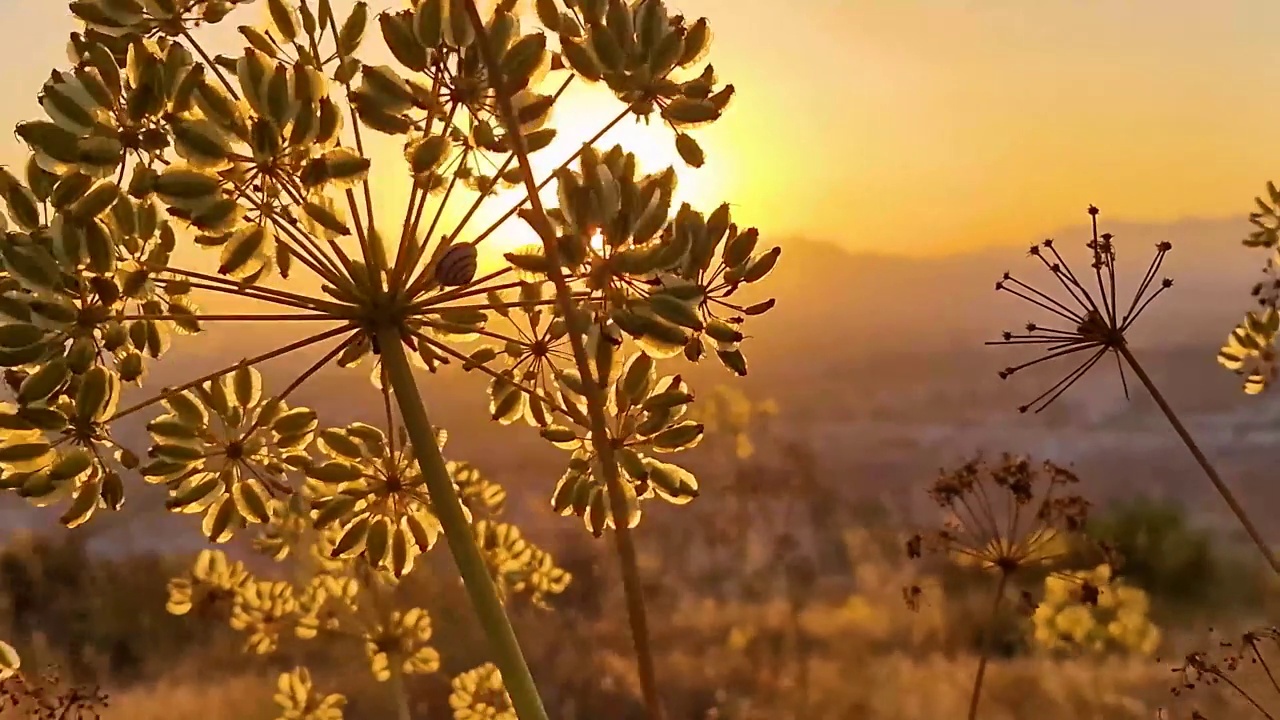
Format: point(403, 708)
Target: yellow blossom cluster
point(1118, 623)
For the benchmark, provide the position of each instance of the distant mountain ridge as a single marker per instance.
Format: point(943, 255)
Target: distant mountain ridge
point(940, 301)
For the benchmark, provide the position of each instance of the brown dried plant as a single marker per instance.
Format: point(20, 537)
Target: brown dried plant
point(1010, 517)
point(1243, 672)
point(1097, 321)
point(49, 697)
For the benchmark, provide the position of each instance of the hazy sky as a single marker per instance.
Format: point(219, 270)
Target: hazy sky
point(928, 125)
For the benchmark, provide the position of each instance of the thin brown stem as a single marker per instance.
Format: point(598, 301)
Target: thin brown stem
point(306, 375)
point(530, 391)
point(600, 435)
point(985, 655)
point(362, 236)
point(1205, 465)
point(243, 317)
point(257, 292)
point(217, 71)
point(305, 342)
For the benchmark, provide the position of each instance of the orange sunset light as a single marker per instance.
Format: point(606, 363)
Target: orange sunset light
point(919, 126)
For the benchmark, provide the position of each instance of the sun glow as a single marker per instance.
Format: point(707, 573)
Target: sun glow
point(579, 116)
point(597, 241)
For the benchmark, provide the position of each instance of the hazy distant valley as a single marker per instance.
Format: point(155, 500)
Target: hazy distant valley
point(877, 362)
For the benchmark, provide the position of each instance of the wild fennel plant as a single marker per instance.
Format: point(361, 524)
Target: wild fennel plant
point(1088, 317)
point(151, 146)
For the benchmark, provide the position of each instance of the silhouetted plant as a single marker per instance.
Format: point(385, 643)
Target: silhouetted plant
point(1097, 320)
point(151, 145)
point(1006, 518)
point(82, 608)
point(44, 697)
point(1241, 670)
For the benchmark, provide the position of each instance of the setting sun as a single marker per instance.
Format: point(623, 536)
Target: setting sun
point(579, 115)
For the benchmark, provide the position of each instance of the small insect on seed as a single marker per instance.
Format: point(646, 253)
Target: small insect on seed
point(458, 266)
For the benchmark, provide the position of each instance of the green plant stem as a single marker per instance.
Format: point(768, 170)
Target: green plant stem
point(1209, 471)
point(986, 647)
point(457, 531)
point(400, 695)
point(601, 441)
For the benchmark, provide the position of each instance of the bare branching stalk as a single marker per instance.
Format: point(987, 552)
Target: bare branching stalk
point(457, 530)
point(1236, 508)
point(600, 435)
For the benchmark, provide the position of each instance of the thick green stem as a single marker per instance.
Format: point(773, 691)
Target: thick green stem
point(601, 441)
point(457, 531)
point(1209, 471)
point(985, 655)
point(400, 694)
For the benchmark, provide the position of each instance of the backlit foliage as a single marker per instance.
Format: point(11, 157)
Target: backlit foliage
point(478, 694)
point(145, 147)
point(149, 145)
point(10, 662)
point(1250, 348)
point(341, 591)
point(299, 701)
point(1118, 621)
point(732, 413)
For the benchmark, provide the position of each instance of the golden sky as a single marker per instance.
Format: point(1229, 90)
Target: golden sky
point(922, 126)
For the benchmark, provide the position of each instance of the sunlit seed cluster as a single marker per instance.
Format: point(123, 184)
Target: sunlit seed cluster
point(299, 701)
point(478, 694)
point(150, 144)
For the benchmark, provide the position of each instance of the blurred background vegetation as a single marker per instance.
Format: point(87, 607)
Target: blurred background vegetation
point(780, 600)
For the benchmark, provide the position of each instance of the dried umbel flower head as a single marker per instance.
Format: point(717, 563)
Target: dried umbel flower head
point(1008, 516)
point(1088, 316)
point(1236, 674)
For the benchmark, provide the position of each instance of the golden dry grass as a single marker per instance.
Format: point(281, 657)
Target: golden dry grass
point(884, 688)
point(243, 698)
